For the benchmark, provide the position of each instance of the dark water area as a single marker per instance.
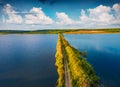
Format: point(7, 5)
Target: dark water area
point(103, 53)
point(28, 60)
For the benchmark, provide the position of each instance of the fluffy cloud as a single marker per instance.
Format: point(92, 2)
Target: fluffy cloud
point(13, 17)
point(101, 16)
point(116, 8)
point(63, 18)
point(34, 16)
point(37, 16)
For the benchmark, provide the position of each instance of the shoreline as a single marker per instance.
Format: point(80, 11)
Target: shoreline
point(64, 31)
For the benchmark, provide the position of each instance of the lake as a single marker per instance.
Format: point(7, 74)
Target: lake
point(28, 60)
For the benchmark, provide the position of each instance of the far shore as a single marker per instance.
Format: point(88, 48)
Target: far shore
point(64, 31)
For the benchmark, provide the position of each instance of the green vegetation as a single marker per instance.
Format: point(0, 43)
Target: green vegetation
point(82, 73)
point(60, 64)
point(34, 32)
point(66, 31)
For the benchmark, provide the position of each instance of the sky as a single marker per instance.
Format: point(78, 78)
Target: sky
point(59, 14)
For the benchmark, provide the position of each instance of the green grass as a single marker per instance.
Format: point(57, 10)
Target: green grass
point(82, 73)
point(60, 64)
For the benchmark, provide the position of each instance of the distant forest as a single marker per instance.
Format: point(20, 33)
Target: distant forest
point(66, 31)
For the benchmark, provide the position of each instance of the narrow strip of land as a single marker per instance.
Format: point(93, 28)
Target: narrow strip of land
point(66, 69)
point(79, 73)
point(67, 75)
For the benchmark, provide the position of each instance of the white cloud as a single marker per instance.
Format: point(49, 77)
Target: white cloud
point(63, 19)
point(37, 17)
point(101, 16)
point(84, 17)
point(34, 16)
point(116, 8)
point(12, 16)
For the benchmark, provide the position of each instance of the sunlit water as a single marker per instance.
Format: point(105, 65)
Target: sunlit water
point(28, 60)
point(103, 53)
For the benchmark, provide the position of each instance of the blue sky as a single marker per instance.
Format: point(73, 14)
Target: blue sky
point(58, 14)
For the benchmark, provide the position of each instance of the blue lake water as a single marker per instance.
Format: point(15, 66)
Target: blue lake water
point(28, 60)
point(103, 53)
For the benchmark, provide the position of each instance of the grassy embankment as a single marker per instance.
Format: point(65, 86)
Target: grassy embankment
point(82, 73)
point(60, 64)
point(65, 31)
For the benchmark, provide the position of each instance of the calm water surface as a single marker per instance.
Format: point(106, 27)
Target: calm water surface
point(28, 60)
point(103, 53)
